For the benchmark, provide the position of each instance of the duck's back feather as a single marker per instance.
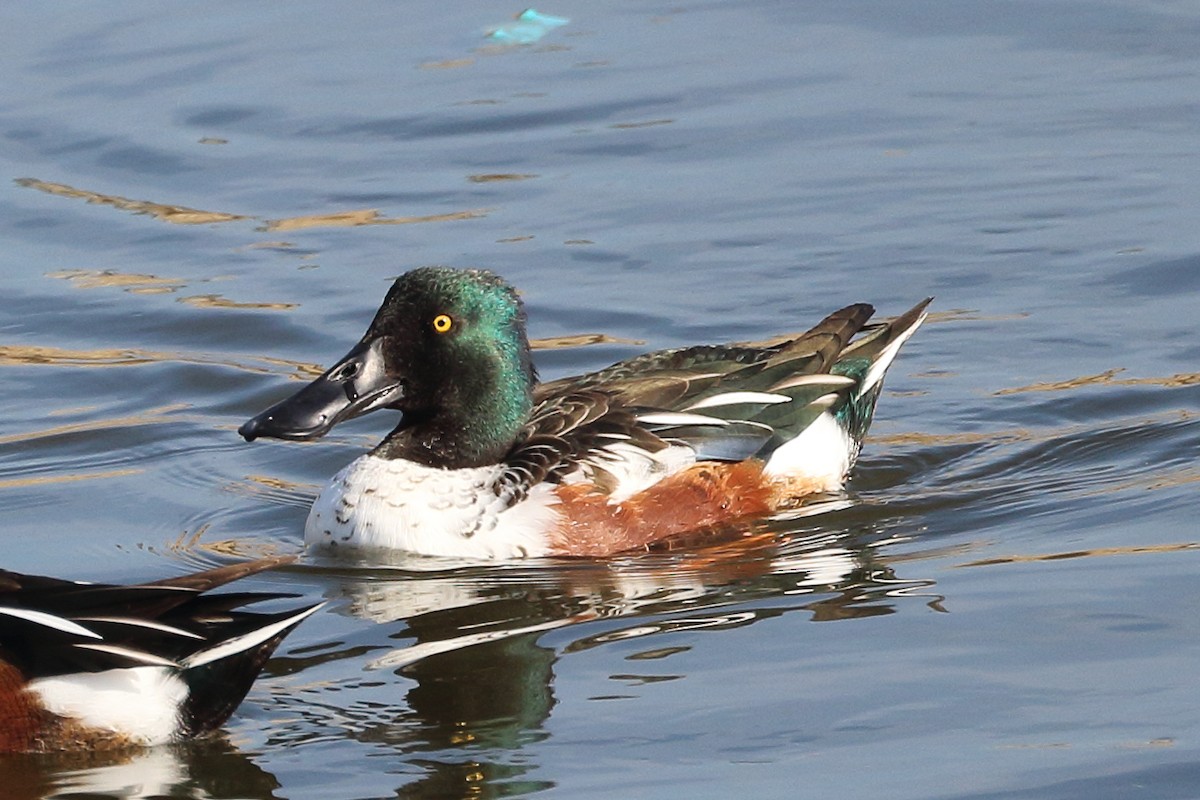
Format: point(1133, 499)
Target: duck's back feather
point(614, 428)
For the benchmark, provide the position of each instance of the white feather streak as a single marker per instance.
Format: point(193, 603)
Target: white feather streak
point(128, 652)
point(832, 381)
point(736, 398)
point(50, 621)
point(676, 418)
point(246, 641)
point(143, 623)
point(875, 373)
point(825, 400)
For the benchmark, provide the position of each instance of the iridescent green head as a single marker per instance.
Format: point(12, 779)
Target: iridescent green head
point(457, 338)
point(447, 348)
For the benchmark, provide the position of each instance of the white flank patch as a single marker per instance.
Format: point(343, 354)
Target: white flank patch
point(737, 398)
point(823, 453)
point(50, 621)
point(247, 641)
point(399, 505)
point(141, 703)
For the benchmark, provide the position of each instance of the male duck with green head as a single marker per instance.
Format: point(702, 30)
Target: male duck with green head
point(488, 463)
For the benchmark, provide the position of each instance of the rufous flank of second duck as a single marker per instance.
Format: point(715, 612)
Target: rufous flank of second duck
point(486, 462)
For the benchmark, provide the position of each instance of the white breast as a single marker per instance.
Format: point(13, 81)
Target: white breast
point(399, 505)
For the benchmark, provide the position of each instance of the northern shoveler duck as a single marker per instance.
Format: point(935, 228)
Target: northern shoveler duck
point(87, 666)
point(488, 463)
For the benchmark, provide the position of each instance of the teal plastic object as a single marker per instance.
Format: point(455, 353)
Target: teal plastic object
point(529, 26)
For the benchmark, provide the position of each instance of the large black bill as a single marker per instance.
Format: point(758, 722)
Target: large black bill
point(356, 385)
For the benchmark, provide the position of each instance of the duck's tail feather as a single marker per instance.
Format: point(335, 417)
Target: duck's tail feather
point(880, 344)
point(218, 677)
point(866, 361)
point(219, 576)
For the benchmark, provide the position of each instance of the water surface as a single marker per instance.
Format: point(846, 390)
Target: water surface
point(203, 204)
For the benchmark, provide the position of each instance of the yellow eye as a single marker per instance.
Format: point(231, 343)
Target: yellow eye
point(442, 323)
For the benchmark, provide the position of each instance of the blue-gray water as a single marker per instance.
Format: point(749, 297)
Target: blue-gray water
point(1006, 609)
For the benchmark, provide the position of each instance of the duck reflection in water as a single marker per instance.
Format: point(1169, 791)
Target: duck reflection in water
point(479, 644)
point(204, 768)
